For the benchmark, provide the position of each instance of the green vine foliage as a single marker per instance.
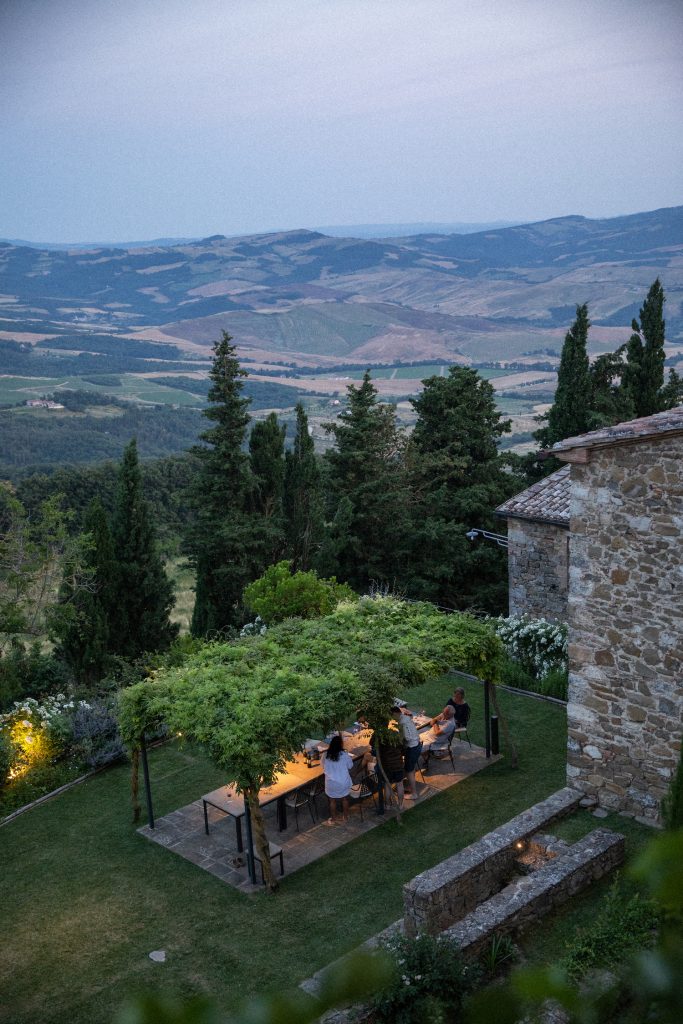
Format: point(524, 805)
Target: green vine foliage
point(253, 702)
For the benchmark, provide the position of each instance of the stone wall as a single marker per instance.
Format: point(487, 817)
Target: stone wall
point(527, 899)
point(537, 566)
point(437, 898)
point(626, 625)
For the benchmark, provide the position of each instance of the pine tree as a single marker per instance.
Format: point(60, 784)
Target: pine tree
point(267, 461)
point(83, 634)
point(672, 392)
point(303, 501)
point(221, 541)
point(457, 478)
point(644, 374)
point(143, 594)
point(570, 411)
point(365, 467)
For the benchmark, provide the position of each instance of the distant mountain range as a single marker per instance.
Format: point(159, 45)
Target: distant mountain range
point(308, 297)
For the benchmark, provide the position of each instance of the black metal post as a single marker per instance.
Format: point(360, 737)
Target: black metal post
point(251, 863)
point(148, 789)
point(495, 745)
point(487, 715)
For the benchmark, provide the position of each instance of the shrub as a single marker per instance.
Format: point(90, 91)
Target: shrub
point(280, 594)
point(96, 734)
point(625, 923)
point(430, 982)
point(27, 672)
point(535, 644)
point(512, 674)
point(672, 805)
point(555, 684)
point(6, 757)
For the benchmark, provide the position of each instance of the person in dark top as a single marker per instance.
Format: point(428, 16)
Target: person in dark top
point(461, 709)
point(391, 756)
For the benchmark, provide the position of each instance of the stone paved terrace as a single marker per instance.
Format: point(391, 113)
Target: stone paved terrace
point(182, 831)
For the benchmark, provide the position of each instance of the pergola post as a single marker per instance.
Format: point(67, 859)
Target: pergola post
point(145, 772)
point(251, 863)
point(487, 716)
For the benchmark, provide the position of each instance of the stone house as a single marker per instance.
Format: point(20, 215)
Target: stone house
point(625, 611)
point(538, 548)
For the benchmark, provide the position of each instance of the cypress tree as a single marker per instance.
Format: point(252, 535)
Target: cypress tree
point(644, 373)
point(83, 633)
point(365, 467)
point(610, 401)
point(143, 594)
point(220, 540)
point(569, 414)
point(303, 501)
point(457, 478)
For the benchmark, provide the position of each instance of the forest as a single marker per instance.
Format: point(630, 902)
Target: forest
point(381, 511)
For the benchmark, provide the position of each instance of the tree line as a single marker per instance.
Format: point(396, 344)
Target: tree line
point(617, 386)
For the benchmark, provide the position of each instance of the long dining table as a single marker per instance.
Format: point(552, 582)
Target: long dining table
point(297, 773)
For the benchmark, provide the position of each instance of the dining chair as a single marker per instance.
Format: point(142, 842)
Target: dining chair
point(303, 797)
point(363, 789)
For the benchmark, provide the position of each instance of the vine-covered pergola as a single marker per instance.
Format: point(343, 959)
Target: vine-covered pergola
point(253, 702)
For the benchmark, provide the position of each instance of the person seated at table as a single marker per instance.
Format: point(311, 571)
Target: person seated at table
point(412, 747)
point(337, 764)
point(461, 709)
point(443, 727)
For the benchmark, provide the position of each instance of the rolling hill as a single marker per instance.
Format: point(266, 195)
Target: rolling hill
point(302, 297)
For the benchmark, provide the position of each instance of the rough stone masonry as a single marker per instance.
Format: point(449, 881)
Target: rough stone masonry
point(625, 619)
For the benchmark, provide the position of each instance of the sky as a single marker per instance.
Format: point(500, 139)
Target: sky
point(138, 119)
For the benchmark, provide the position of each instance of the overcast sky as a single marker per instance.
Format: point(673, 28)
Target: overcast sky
point(135, 119)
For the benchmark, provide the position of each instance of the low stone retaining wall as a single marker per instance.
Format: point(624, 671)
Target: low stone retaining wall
point(443, 895)
point(532, 896)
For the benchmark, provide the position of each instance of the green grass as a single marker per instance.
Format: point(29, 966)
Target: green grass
point(85, 899)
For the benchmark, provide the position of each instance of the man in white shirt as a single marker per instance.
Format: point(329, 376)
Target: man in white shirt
point(443, 727)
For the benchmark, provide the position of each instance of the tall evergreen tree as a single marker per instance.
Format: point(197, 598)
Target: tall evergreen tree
point(365, 468)
point(610, 401)
point(221, 541)
point(303, 500)
point(458, 478)
point(267, 461)
point(644, 374)
point(143, 594)
point(570, 411)
point(83, 633)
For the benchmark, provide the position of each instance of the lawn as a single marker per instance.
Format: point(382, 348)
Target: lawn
point(85, 899)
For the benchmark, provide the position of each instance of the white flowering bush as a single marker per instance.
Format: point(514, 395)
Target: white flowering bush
point(539, 646)
point(255, 628)
point(35, 734)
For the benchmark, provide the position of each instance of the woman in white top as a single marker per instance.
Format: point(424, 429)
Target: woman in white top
point(337, 766)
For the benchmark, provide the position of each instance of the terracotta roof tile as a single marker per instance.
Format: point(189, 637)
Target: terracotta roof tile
point(669, 422)
point(546, 501)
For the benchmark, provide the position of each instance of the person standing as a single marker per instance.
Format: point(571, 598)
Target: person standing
point(412, 748)
point(337, 764)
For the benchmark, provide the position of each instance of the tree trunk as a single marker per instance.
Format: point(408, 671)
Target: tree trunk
point(386, 785)
point(260, 838)
point(514, 760)
point(135, 782)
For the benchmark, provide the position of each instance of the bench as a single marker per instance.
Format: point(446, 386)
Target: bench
point(274, 851)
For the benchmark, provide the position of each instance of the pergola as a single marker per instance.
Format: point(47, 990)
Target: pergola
point(254, 702)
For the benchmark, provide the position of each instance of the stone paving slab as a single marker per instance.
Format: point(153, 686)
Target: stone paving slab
point(182, 830)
